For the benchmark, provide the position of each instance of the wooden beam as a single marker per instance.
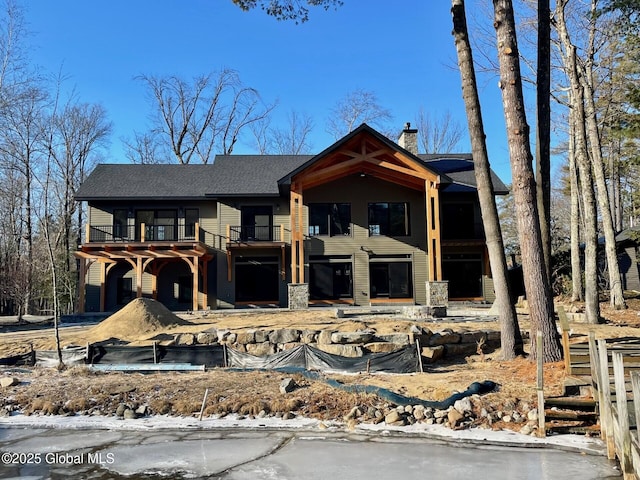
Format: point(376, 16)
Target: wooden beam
point(139, 277)
point(196, 286)
point(82, 285)
point(103, 280)
point(294, 232)
point(205, 283)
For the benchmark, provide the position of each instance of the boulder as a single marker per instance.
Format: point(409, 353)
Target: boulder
point(309, 336)
point(262, 336)
point(392, 417)
point(207, 338)
point(284, 335)
point(185, 339)
point(362, 336)
point(453, 349)
point(463, 405)
point(399, 338)
point(324, 337)
point(454, 417)
point(287, 385)
point(245, 337)
point(8, 382)
point(352, 351)
point(381, 347)
point(261, 349)
point(433, 354)
point(444, 337)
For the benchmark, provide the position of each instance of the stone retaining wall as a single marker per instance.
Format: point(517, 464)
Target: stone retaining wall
point(434, 345)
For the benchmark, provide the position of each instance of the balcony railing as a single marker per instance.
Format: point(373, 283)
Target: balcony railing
point(255, 233)
point(142, 233)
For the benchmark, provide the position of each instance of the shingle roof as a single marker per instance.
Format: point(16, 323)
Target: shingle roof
point(459, 168)
point(247, 175)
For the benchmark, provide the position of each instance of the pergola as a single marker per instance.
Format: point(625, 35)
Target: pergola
point(149, 257)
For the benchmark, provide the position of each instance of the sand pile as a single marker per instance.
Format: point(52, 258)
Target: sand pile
point(135, 321)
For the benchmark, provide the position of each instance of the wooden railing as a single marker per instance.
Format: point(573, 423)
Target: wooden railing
point(618, 423)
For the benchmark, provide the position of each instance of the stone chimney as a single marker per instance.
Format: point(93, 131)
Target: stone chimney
point(409, 139)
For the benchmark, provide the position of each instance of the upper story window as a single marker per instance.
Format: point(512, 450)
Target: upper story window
point(389, 218)
point(459, 221)
point(191, 217)
point(331, 219)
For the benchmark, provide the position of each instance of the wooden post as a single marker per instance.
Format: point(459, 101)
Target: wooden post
point(103, 286)
point(87, 234)
point(635, 386)
point(623, 441)
point(196, 286)
point(204, 401)
point(197, 232)
point(605, 407)
point(419, 355)
point(142, 232)
point(139, 277)
point(542, 429)
point(228, 233)
point(597, 384)
point(282, 232)
point(564, 325)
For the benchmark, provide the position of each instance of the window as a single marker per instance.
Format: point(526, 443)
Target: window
point(391, 219)
point(390, 280)
point(120, 224)
point(159, 224)
point(191, 217)
point(124, 290)
point(459, 221)
point(185, 289)
point(330, 279)
point(333, 219)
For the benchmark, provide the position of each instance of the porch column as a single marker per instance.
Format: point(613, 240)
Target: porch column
point(205, 282)
point(103, 281)
point(138, 277)
point(82, 280)
point(433, 230)
point(196, 286)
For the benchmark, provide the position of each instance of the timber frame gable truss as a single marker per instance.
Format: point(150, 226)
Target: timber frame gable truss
point(368, 153)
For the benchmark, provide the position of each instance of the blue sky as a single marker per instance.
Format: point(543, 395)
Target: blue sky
point(402, 51)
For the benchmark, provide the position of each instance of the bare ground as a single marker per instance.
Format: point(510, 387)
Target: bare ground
point(77, 390)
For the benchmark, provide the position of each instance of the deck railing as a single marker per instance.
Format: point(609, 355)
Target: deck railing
point(141, 233)
point(255, 233)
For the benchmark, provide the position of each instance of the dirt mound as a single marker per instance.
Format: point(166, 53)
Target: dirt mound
point(135, 321)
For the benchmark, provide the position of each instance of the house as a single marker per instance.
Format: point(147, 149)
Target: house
point(367, 221)
point(627, 246)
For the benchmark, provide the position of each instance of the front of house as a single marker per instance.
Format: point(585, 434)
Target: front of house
point(365, 222)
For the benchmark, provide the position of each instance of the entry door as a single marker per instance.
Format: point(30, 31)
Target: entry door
point(257, 223)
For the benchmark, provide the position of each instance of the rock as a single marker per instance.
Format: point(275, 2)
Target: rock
point(473, 337)
point(399, 338)
point(261, 336)
point(245, 337)
point(433, 354)
point(352, 351)
point(362, 336)
point(186, 339)
point(339, 313)
point(418, 412)
point(444, 337)
point(120, 410)
point(284, 335)
point(309, 336)
point(526, 429)
point(8, 382)
point(353, 413)
point(532, 415)
point(454, 417)
point(129, 414)
point(506, 418)
point(324, 337)
point(440, 414)
point(207, 338)
point(288, 385)
point(142, 410)
point(381, 347)
point(288, 416)
point(392, 417)
point(261, 349)
point(463, 405)
point(452, 349)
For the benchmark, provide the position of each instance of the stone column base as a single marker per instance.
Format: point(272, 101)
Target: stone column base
point(438, 296)
point(298, 296)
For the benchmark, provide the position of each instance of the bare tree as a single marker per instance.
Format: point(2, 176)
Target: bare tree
point(536, 279)
point(438, 135)
point(357, 107)
point(144, 148)
point(293, 139)
point(206, 116)
point(287, 9)
point(511, 339)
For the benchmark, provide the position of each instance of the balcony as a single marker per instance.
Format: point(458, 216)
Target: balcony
point(142, 233)
point(255, 234)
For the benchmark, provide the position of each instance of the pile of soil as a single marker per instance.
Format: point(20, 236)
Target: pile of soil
point(138, 318)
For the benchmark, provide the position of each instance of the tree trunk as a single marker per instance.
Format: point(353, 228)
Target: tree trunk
point(592, 306)
point(524, 190)
point(511, 338)
point(576, 264)
point(616, 297)
point(543, 129)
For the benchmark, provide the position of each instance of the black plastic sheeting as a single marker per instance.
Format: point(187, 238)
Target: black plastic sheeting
point(404, 360)
point(208, 355)
point(26, 359)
